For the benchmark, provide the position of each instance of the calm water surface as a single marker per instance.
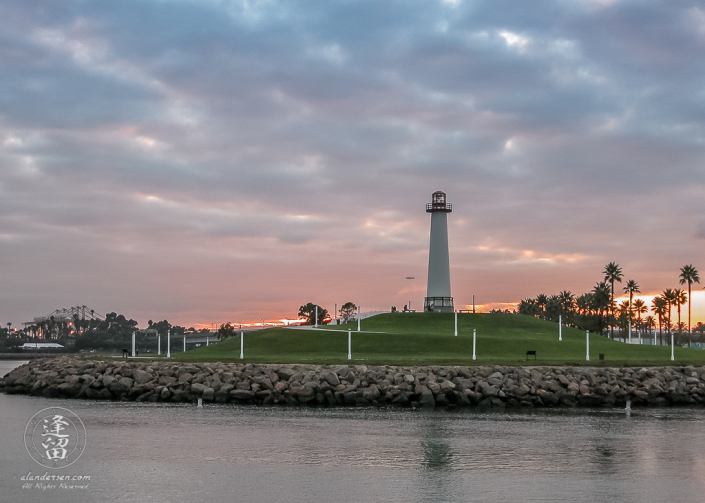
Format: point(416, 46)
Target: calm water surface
point(178, 453)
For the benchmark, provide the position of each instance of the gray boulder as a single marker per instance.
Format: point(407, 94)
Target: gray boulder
point(127, 382)
point(69, 389)
point(163, 380)
point(447, 386)
point(371, 393)
point(304, 394)
point(197, 389)
point(426, 398)
point(185, 377)
point(263, 381)
point(242, 394)
point(331, 378)
point(141, 376)
point(490, 391)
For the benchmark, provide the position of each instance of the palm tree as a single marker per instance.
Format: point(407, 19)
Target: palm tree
point(566, 299)
point(601, 301)
point(689, 274)
point(659, 309)
point(542, 301)
point(583, 303)
point(700, 328)
point(623, 312)
point(631, 288)
point(679, 298)
point(649, 323)
point(529, 307)
point(639, 308)
point(669, 295)
point(613, 273)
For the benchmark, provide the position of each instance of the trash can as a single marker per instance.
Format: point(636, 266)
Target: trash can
point(602, 356)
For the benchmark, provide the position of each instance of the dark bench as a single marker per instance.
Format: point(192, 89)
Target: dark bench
point(124, 353)
point(530, 353)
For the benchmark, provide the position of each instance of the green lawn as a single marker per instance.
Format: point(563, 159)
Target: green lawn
point(427, 339)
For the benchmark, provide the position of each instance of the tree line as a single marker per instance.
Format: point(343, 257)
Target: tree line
point(597, 311)
point(113, 332)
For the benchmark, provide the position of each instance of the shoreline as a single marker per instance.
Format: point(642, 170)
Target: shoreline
point(358, 385)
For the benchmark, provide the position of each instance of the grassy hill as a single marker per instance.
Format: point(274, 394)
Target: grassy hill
point(427, 339)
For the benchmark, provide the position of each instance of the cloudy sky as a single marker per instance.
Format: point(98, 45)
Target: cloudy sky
point(209, 161)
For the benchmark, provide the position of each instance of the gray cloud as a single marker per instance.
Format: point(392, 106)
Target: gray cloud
point(150, 145)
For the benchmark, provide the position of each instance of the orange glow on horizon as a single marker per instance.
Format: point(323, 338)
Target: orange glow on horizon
point(698, 311)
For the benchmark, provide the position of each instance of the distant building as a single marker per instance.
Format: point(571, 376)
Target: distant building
point(40, 345)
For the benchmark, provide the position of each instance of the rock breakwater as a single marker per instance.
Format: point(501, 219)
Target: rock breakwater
point(358, 385)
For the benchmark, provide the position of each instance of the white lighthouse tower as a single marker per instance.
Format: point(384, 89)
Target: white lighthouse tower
point(438, 297)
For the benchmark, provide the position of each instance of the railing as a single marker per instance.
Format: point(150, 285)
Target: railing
point(447, 207)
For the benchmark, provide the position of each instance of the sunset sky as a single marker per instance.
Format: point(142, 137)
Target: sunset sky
point(210, 161)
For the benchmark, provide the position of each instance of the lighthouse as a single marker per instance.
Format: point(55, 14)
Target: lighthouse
point(438, 299)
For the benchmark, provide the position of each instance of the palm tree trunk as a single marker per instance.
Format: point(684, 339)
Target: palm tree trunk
point(689, 329)
point(612, 311)
point(631, 295)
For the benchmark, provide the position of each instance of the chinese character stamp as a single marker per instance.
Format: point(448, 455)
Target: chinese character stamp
point(55, 437)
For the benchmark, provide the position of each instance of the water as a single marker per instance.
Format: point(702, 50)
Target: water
point(179, 453)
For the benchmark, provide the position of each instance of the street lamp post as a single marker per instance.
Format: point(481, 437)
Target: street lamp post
point(474, 336)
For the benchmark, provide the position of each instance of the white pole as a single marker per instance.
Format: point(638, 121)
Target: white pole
point(133, 345)
point(672, 346)
point(630, 333)
point(184, 343)
point(358, 318)
point(168, 343)
point(560, 327)
point(206, 341)
point(456, 324)
point(335, 314)
point(159, 345)
point(316, 323)
point(349, 344)
point(242, 345)
point(474, 335)
point(587, 341)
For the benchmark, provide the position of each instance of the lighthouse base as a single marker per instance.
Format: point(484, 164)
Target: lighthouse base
point(438, 305)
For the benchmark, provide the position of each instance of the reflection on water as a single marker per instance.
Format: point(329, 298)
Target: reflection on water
point(437, 454)
point(178, 453)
